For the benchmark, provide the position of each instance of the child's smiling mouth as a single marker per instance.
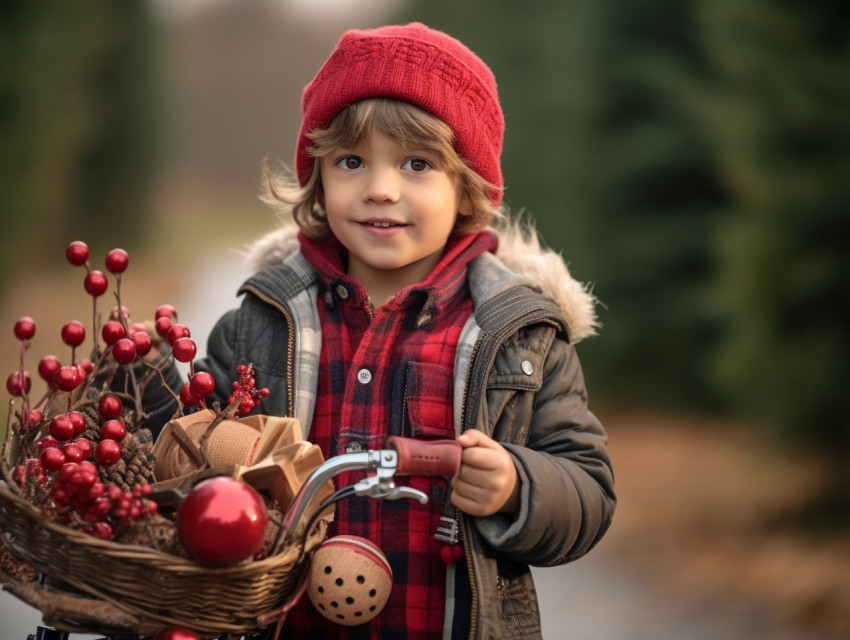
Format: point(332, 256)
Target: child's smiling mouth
point(382, 224)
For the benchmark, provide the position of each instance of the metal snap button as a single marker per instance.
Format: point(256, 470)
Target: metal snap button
point(527, 367)
point(364, 376)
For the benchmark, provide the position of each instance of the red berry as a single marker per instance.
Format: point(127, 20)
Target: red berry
point(110, 407)
point(19, 476)
point(184, 349)
point(68, 469)
point(143, 343)
point(52, 459)
point(135, 328)
point(18, 385)
point(73, 453)
point(78, 421)
point(46, 443)
point(84, 445)
point(48, 366)
point(113, 430)
point(62, 428)
point(162, 326)
point(201, 384)
point(165, 311)
point(85, 366)
point(112, 331)
point(114, 315)
point(124, 351)
point(77, 253)
point(24, 328)
point(176, 332)
point(73, 333)
point(246, 405)
point(117, 261)
point(69, 378)
point(100, 530)
point(186, 396)
point(35, 416)
point(95, 283)
point(107, 452)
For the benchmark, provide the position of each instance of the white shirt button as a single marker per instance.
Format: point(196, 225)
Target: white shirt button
point(364, 376)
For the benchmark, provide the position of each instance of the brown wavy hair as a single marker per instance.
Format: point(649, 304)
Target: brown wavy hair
point(401, 121)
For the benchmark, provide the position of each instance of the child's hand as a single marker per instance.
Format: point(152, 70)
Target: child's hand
point(487, 482)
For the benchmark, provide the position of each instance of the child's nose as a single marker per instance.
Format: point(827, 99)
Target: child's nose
point(382, 185)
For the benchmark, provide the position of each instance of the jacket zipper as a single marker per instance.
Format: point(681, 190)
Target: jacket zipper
point(473, 622)
point(473, 612)
point(290, 347)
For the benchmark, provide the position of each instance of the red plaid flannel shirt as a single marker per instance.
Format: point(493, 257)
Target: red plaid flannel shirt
point(385, 372)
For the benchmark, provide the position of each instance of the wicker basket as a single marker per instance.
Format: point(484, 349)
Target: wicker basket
point(102, 586)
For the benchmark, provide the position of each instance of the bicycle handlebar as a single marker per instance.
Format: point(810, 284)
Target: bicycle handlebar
point(426, 457)
point(405, 457)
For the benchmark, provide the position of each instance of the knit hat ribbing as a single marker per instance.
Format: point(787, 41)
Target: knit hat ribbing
point(419, 65)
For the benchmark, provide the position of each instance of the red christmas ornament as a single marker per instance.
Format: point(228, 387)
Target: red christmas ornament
point(222, 521)
point(176, 633)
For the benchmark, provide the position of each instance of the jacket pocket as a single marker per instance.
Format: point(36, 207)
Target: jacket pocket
point(519, 613)
point(426, 401)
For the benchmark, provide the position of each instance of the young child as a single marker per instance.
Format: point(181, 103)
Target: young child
point(403, 303)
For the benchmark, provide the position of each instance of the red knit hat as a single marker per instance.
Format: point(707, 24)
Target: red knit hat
point(419, 65)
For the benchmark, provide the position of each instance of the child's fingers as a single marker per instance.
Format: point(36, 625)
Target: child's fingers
point(476, 438)
point(482, 452)
point(487, 477)
point(471, 500)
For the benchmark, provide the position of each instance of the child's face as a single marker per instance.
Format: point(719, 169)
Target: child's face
point(392, 207)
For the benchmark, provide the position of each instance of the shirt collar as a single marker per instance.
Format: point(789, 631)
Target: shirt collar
point(329, 258)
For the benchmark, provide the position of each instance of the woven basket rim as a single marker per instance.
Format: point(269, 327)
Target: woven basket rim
point(90, 541)
point(69, 545)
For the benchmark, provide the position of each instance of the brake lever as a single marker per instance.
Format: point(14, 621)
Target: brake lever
point(382, 485)
point(386, 489)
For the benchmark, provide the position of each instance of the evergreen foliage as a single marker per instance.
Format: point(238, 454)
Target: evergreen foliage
point(777, 108)
point(77, 123)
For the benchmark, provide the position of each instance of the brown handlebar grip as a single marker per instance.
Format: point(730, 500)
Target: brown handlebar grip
point(426, 457)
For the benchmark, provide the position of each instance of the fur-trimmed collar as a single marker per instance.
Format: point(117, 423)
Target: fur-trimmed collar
point(519, 250)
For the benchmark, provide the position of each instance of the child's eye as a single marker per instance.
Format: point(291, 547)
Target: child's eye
point(349, 162)
point(417, 165)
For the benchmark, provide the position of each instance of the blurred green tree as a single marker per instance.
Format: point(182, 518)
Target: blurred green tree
point(79, 109)
point(778, 109)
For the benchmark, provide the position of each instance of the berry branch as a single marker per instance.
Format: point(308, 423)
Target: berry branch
point(74, 457)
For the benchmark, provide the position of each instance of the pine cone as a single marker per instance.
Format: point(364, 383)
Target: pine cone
point(154, 531)
point(115, 475)
point(13, 566)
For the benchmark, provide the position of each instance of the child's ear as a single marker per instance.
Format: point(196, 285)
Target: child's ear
point(465, 207)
